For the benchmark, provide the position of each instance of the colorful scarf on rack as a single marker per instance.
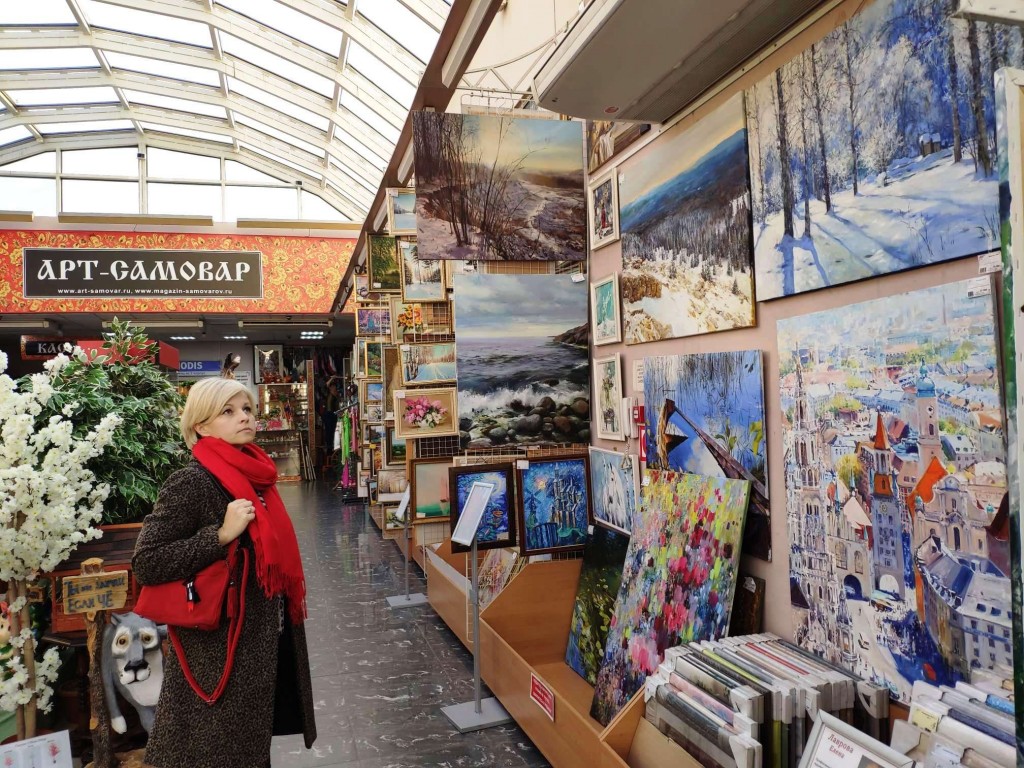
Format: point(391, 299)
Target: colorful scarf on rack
point(247, 472)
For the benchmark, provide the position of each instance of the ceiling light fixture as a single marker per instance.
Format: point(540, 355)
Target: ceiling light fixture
point(44, 324)
point(183, 338)
point(285, 323)
point(235, 338)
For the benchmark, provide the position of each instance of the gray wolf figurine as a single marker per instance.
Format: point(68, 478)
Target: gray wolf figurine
point(133, 663)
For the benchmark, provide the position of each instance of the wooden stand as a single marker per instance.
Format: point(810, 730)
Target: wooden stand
point(448, 589)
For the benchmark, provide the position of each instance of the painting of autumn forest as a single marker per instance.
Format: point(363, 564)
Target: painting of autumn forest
point(499, 188)
point(874, 150)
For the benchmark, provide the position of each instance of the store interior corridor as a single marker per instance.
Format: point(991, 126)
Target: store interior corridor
point(380, 676)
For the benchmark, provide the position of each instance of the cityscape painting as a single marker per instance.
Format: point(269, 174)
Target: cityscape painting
point(895, 472)
point(873, 151)
point(554, 505)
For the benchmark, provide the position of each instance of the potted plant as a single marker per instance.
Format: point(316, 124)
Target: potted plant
point(50, 502)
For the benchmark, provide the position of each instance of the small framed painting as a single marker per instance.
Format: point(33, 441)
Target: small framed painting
point(430, 499)
point(554, 505)
point(428, 363)
point(615, 478)
point(371, 395)
point(406, 320)
point(608, 396)
point(426, 413)
point(373, 321)
point(422, 280)
point(603, 198)
point(605, 309)
point(396, 448)
point(401, 211)
point(360, 287)
point(391, 373)
point(268, 362)
point(372, 359)
point(391, 484)
point(382, 266)
point(498, 526)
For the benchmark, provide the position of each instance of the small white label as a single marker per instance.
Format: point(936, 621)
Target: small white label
point(400, 393)
point(638, 375)
point(749, 584)
point(646, 481)
point(522, 464)
point(590, 530)
point(404, 347)
point(978, 287)
point(578, 277)
point(377, 285)
point(990, 262)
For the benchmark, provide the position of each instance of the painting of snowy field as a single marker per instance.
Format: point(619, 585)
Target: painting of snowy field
point(499, 188)
point(685, 222)
point(874, 151)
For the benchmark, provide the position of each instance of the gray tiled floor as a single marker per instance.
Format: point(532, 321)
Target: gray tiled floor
point(380, 676)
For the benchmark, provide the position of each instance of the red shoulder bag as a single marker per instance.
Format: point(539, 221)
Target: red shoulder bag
point(199, 603)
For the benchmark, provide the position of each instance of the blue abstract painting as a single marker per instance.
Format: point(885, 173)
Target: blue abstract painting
point(497, 528)
point(555, 505)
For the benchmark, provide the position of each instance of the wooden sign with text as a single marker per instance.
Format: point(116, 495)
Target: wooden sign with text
point(95, 592)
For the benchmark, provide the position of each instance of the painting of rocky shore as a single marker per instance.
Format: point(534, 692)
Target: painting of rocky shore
point(522, 360)
point(499, 188)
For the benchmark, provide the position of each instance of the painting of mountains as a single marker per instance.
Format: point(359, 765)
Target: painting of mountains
point(685, 221)
point(499, 188)
point(873, 151)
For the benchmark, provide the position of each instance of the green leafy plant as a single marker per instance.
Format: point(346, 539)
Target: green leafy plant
point(124, 380)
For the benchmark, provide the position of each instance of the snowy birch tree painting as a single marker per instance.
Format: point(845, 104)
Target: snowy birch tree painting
point(499, 188)
point(685, 222)
point(873, 151)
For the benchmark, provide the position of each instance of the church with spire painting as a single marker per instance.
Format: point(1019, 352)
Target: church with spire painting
point(899, 546)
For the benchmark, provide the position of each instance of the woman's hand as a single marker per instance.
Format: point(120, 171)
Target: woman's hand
point(239, 514)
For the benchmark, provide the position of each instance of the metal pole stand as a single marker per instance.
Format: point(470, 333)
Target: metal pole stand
point(480, 713)
point(407, 600)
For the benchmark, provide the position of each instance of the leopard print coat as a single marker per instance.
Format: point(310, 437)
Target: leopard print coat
point(269, 691)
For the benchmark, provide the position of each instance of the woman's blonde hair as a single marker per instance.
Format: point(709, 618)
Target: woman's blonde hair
point(207, 399)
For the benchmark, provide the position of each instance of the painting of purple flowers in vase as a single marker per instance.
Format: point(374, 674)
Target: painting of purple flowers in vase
point(426, 413)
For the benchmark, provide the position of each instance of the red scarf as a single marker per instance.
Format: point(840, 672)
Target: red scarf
point(244, 470)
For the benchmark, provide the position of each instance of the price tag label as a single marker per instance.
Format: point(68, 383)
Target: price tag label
point(522, 464)
point(400, 394)
point(990, 262)
point(638, 376)
point(404, 347)
point(578, 277)
point(646, 481)
point(978, 287)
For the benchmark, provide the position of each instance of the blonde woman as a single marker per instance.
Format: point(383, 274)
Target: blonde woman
point(228, 492)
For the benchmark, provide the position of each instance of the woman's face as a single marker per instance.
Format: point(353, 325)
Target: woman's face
point(234, 424)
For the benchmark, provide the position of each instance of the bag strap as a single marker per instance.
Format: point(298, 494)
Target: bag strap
point(236, 620)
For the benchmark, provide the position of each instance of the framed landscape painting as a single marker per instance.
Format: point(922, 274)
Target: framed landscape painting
point(373, 321)
point(382, 265)
point(422, 279)
point(401, 211)
point(605, 310)
point(372, 360)
point(532, 205)
point(554, 505)
point(426, 413)
point(687, 255)
point(430, 499)
point(391, 374)
point(396, 448)
point(609, 419)
point(424, 364)
point(498, 525)
point(603, 209)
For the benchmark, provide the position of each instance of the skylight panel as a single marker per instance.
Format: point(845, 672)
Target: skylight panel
point(45, 162)
point(380, 74)
point(167, 164)
point(290, 22)
point(81, 196)
point(276, 64)
point(279, 134)
point(55, 96)
point(48, 58)
point(85, 126)
point(361, 149)
point(13, 134)
point(172, 102)
point(260, 203)
point(36, 13)
point(235, 171)
point(274, 157)
point(36, 195)
point(370, 185)
point(147, 24)
point(370, 117)
point(150, 66)
point(317, 209)
point(185, 200)
point(204, 135)
point(275, 102)
point(402, 25)
point(114, 161)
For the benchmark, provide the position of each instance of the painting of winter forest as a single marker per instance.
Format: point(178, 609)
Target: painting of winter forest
point(704, 415)
point(887, 128)
point(685, 230)
point(895, 471)
point(499, 188)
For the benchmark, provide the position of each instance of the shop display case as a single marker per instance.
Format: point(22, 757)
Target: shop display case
point(282, 427)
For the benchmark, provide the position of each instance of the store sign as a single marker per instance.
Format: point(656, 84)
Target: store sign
point(542, 696)
point(43, 347)
point(199, 368)
point(106, 273)
point(105, 591)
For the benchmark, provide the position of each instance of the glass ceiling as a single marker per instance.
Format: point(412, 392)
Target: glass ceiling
point(314, 90)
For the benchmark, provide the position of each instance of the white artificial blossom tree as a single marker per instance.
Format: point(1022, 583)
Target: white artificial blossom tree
point(50, 503)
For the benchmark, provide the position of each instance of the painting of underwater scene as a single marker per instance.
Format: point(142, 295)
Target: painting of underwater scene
point(499, 188)
point(678, 580)
point(522, 360)
point(895, 467)
point(705, 414)
point(600, 579)
point(498, 526)
point(554, 505)
point(687, 261)
point(873, 151)
point(614, 478)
